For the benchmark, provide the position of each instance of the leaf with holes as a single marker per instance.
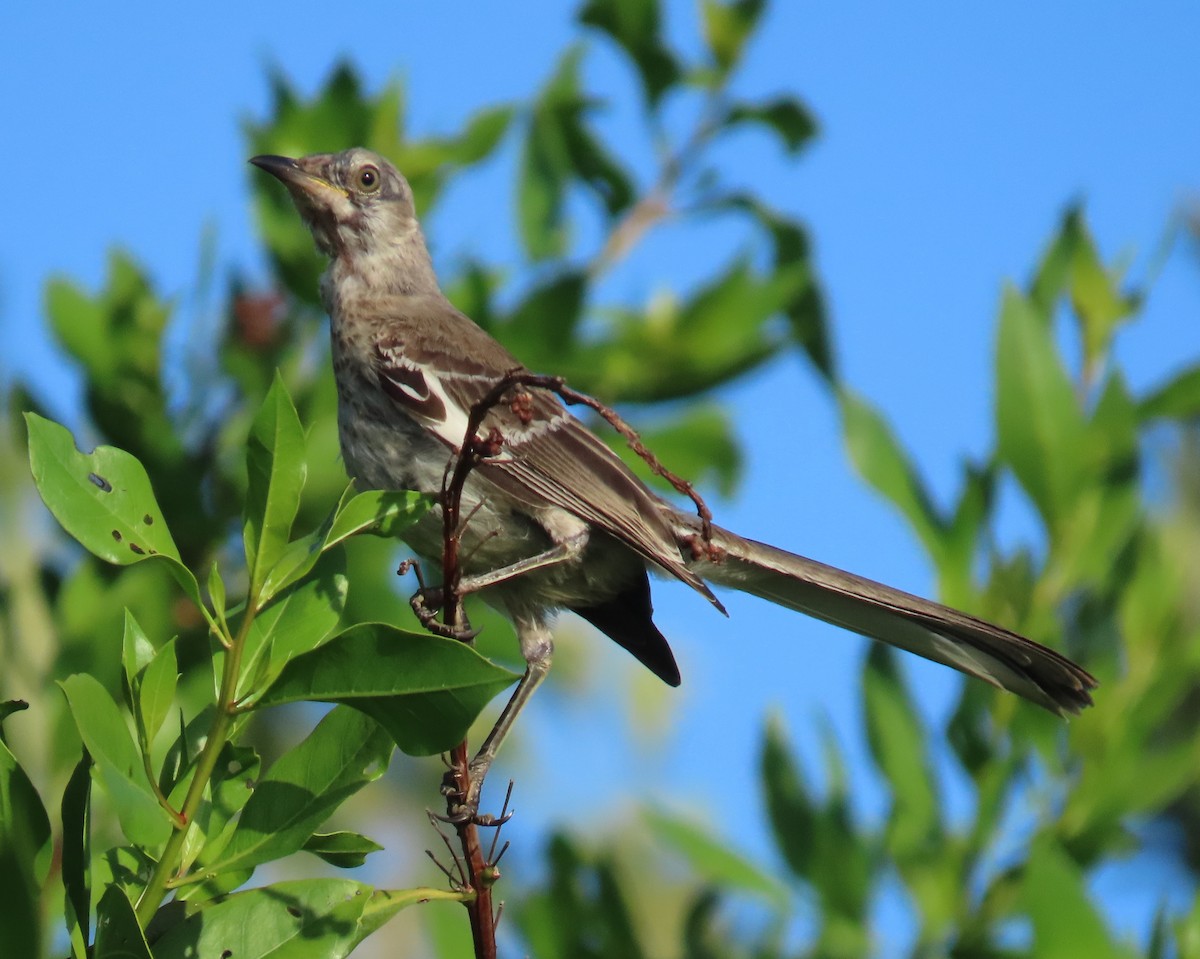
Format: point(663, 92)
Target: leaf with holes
point(103, 499)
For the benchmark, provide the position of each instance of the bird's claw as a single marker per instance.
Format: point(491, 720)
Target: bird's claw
point(426, 602)
point(462, 808)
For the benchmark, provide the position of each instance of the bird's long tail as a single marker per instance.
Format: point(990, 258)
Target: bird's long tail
point(945, 635)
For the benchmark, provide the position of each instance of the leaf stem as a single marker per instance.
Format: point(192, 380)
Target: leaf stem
point(206, 763)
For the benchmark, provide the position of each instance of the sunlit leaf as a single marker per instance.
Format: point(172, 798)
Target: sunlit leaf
point(103, 499)
point(727, 27)
point(711, 859)
point(897, 740)
point(302, 917)
point(1066, 924)
point(103, 731)
point(883, 462)
point(1039, 425)
point(276, 472)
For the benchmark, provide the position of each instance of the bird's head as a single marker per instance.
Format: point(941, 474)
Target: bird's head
point(352, 202)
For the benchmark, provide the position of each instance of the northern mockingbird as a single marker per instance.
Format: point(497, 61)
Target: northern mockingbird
point(557, 520)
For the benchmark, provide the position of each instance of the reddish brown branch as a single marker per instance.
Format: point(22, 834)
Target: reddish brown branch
point(480, 870)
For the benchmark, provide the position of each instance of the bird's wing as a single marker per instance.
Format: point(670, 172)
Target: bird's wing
point(548, 458)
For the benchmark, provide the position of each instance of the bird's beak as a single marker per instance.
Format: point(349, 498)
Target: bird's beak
point(295, 175)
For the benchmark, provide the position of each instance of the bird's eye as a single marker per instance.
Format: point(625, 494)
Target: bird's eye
point(367, 179)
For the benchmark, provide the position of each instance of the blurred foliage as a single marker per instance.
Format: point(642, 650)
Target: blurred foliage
point(1108, 577)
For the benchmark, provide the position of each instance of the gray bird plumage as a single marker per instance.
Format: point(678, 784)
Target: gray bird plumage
point(556, 503)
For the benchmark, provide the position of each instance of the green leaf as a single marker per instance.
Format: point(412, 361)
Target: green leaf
point(295, 622)
point(483, 134)
point(76, 812)
point(385, 513)
point(302, 789)
point(1177, 399)
point(25, 850)
point(1065, 923)
point(883, 462)
point(711, 860)
point(118, 933)
point(694, 345)
point(276, 471)
point(791, 808)
point(727, 27)
point(897, 740)
point(1039, 424)
point(103, 499)
point(542, 327)
point(216, 591)
point(136, 650)
point(156, 690)
point(290, 920)
point(346, 850)
point(103, 731)
point(424, 690)
point(230, 789)
point(636, 27)
point(805, 309)
point(560, 150)
point(784, 116)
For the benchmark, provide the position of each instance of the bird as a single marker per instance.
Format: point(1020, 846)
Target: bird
point(556, 520)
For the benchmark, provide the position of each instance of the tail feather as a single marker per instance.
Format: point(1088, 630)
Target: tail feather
point(974, 646)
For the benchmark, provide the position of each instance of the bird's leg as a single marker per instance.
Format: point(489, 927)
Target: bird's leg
point(427, 600)
point(563, 552)
point(537, 647)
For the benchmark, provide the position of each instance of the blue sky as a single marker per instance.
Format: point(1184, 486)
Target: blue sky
point(952, 138)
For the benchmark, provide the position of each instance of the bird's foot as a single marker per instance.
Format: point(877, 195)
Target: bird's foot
point(464, 807)
point(427, 602)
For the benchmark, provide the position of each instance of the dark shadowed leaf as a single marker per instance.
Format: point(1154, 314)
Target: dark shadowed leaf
point(636, 27)
point(76, 812)
point(786, 117)
point(543, 325)
point(25, 851)
point(425, 690)
point(118, 933)
point(346, 850)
